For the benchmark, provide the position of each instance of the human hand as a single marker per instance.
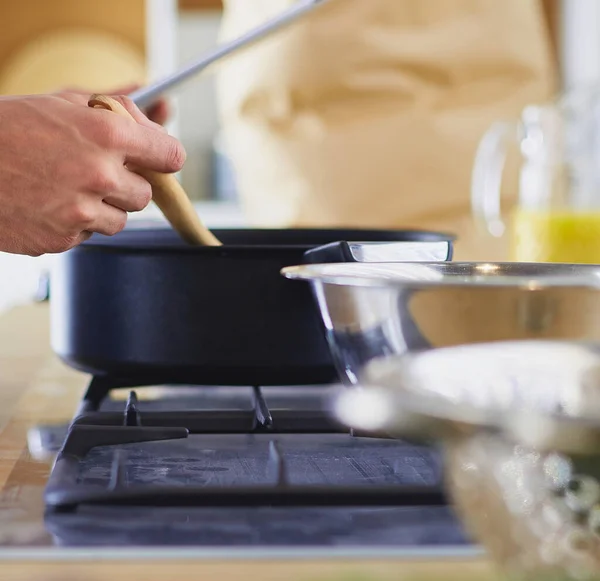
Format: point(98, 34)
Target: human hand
point(63, 173)
point(159, 112)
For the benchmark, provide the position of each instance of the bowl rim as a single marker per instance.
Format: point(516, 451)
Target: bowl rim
point(409, 275)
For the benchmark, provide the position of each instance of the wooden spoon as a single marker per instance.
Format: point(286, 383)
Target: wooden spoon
point(167, 192)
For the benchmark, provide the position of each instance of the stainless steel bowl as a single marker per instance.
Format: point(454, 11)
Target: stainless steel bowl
point(377, 310)
point(519, 425)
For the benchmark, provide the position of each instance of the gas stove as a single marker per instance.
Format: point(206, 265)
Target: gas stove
point(222, 466)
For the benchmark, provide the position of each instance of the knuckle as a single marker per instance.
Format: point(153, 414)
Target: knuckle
point(80, 217)
point(107, 132)
point(102, 178)
point(117, 225)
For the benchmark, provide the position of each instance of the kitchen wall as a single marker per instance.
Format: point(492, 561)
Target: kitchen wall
point(580, 42)
point(197, 122)
point(579, 51)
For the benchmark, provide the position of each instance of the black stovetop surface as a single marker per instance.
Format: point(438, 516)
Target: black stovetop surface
point(263, 486)
point(247, 459)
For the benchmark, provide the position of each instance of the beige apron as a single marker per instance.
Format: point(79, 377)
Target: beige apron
point(368, 113)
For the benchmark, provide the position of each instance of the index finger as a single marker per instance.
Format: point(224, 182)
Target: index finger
point(152, 149)
point(142, 146)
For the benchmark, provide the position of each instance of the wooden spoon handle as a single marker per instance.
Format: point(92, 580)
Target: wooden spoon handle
point(167, 192)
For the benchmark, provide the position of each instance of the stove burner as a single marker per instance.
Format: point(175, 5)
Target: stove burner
point(139, 430)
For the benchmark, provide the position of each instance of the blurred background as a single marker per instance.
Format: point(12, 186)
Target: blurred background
point(46, 46)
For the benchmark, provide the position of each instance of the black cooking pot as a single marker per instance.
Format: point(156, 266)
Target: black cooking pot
point(144, 307)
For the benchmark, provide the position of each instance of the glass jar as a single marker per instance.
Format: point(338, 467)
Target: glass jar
point(556, 217)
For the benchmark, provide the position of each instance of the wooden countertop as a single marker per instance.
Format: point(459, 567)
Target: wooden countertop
point(37, 389)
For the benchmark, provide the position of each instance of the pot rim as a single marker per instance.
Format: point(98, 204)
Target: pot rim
point(521, 276)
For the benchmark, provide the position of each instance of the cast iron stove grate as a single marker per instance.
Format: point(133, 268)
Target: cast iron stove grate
point(119, 432)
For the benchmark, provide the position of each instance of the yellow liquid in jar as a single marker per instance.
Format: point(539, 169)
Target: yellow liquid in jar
point(555, 236)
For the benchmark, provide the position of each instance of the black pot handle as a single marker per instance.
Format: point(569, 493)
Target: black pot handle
point(409, 251)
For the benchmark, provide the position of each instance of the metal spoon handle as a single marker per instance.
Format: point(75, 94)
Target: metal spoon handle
point(145, 96)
